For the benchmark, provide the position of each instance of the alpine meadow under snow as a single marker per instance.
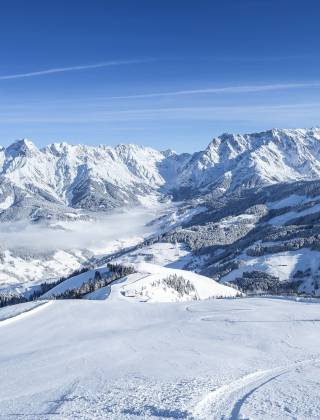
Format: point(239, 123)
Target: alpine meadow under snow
point(143, 284)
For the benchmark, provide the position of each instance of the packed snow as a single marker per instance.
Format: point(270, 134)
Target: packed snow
point(12, 312)
point(118, 359)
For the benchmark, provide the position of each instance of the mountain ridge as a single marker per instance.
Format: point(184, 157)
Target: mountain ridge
point(219, 202)
point(101, 178)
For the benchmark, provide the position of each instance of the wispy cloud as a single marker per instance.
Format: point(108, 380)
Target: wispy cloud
point(264, 58)
point(73, 68)
point(222, 113)
point(223, 89)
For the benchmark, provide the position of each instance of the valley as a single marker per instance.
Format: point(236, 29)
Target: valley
point(239, 205)
point(156, 285)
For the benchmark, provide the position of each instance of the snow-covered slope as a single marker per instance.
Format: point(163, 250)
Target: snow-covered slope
point(122, 360)
point(74, 282)
point(154, 283)
point(264, 240)
point(153, 344)
point(149, 283)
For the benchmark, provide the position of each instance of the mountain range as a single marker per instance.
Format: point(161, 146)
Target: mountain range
point(247, 207)
point(60, 179)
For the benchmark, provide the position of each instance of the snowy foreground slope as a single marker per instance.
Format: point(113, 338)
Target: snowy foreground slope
point(116, 359)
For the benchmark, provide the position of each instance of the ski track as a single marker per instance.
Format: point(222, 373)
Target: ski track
point(262, 321)
point(25, 314)
point(226, 401)
point(131, 391)
point(190, 309)
point(63, 398)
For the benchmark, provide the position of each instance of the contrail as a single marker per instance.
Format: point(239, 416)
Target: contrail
point(72, 68)
point(224, 89)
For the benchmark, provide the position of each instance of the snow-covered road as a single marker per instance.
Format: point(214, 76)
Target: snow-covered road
point(238, 358)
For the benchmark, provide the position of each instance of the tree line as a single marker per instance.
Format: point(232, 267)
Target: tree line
point(116, 271)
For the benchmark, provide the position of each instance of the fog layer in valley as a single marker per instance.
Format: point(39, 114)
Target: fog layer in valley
point(89, 234)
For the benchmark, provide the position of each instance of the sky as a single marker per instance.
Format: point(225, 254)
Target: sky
point(161, 73)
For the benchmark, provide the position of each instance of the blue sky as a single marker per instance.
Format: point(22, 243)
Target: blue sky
point(167, 74)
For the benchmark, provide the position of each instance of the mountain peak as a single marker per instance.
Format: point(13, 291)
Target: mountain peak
point(24, 142)
point(106, 177)
point(168, 152)
point(57, 148)
point(22, 147)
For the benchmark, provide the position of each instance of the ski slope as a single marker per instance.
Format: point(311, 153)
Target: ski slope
point(117, 359)
point(10, 314)
point(149, 284)
point(74, 282)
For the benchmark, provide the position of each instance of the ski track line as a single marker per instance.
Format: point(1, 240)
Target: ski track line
point(214, 310)
point(226, 401)
point(263, 321)
point(26, 313)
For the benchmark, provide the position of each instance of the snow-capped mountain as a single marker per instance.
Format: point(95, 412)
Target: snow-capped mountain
point(225, 191)
point(61, 177)
point(244, 161)
point(261, 235)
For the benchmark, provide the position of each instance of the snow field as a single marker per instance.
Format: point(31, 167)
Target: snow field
point(238, 358)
